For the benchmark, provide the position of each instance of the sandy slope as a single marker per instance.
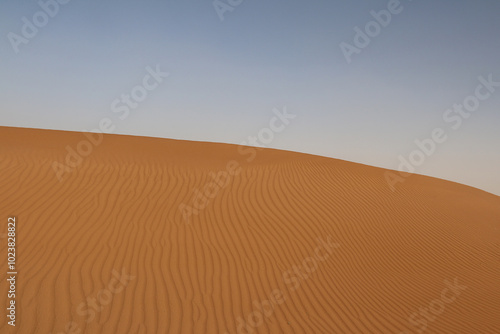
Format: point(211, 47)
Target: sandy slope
point(251, 252)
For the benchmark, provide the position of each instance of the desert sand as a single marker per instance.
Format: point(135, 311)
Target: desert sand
point(289, 243)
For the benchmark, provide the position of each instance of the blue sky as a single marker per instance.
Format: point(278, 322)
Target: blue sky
point(225, 77)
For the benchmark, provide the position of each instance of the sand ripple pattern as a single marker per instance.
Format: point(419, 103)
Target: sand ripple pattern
point(119, 210)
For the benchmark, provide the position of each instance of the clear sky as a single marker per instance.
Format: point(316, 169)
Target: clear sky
point(226, 76)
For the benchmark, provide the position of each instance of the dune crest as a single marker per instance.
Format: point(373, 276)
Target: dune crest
point(148, 235)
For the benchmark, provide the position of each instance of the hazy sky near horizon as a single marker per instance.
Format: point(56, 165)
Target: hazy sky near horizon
point(226, 76)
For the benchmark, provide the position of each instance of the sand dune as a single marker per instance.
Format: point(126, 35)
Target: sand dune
point(290, 243)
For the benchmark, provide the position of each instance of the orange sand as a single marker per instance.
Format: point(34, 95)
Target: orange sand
point(388, 258)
